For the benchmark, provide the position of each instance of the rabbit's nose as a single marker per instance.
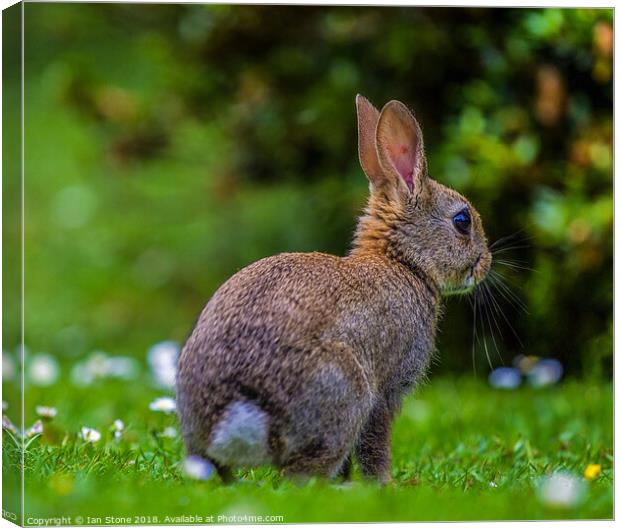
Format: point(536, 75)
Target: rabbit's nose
point(481, 266)
point(477, 270)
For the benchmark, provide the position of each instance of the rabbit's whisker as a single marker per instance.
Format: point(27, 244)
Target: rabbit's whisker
point(485, 319)
point(486, 351)
point(509, 297)
point(509, 248)
point(491, 318)
point(497, 280)
point(518, 261)
point(494, 309)
point(514, 265)
point(506, 238)
point(479, 306)
point(498, 285)
point(505, 318)
point(508, 243)
point(474, 305)
point(487, 307)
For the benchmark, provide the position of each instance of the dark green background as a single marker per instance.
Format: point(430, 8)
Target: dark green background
point(167, 146)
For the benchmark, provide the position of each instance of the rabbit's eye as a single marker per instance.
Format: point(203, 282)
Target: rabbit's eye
point(462, 222)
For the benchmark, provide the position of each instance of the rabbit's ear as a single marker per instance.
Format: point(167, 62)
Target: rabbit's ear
point(400, 146)
point(367, 119)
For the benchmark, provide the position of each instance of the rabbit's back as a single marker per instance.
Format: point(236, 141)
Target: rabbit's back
point(299, 338)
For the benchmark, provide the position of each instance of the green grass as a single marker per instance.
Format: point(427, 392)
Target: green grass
point(452, 440)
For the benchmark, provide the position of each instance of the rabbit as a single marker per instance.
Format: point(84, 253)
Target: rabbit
point(301, 360)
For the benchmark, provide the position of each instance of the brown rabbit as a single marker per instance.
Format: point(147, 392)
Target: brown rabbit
point(301, 360)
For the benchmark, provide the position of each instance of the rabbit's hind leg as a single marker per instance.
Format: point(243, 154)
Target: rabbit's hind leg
point(224, 472)
point(315, 460)
point(326, 416)
point(373, 445)
point(346, 469)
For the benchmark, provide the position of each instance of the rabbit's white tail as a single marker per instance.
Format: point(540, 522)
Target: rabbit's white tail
point(240, 437)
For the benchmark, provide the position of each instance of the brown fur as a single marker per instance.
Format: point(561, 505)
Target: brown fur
point(327, 346)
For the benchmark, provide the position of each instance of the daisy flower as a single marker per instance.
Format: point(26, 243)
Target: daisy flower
point(8, 425)
point(37, 428)
point(100, 365)
point(169, 432)
point(43, 370)
point(117, 428)
point(505, 378)
point(9, 370)
point(162, 358)
point(165, 404)
point(561, 490)
point(198, 468)
point(46, 412)
point(545, 372)
point(89, 435)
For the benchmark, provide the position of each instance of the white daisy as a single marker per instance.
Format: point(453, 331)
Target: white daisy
point(118, 425)
point(89, 435)
point(8, 425)
point(505, 378)
point(117, 428)
point(46, 412)
point(162, 358)
point(43, 370)
point(198, 468)
point(545, 372)
point(9, 370)
point(122, 367)
point(561, 490)
point(165, 404)
point(169, 432)
point(99, 365)
point(37, 428)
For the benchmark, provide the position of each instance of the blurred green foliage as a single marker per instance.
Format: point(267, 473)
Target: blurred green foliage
point(167, 146)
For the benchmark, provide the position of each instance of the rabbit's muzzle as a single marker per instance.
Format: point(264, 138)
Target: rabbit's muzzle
point(479, 269)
